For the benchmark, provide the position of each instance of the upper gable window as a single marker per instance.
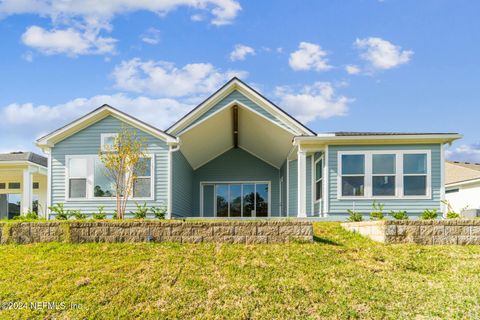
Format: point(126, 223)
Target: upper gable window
point(108, 141)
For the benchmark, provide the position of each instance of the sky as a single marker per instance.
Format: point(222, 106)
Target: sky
point(358, 65)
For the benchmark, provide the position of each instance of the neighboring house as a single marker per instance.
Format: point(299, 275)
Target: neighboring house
point(462, 185)
point(23, 184)
point(239, 155)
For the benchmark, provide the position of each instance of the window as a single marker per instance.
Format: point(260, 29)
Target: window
point(2, 185)
point(87, 178)
point(77, 177)
point(353, 175)
point(142, 187)
point(103, 185)
point(387, 174)
point(36, 185)
point(415, 174)
point(108, 140)
point(14, 185)
point(383, 172)
point(319, 179)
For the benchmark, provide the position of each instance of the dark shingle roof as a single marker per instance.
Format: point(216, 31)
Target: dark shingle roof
point(24, 156)
point(350, 134)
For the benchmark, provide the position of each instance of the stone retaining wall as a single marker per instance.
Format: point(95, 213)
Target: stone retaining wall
point(428, 232)
point(157, 231)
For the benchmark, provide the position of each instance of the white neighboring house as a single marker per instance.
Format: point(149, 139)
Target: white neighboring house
point(23, 184)
point(462, 185)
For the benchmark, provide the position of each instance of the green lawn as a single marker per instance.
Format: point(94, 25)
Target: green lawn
point(341, 275)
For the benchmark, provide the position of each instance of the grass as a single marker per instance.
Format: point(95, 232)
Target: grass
point(341, 275)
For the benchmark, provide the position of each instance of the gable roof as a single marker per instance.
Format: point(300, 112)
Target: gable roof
point(461, 172)
point(237, 84)
point(20, 156)
point(94, 116)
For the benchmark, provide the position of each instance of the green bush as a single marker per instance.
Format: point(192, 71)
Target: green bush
point(429, 214)
point(377, 212)
point(354, 216)
point(159, 212)
point(77, 214)
point(31, 215)
point(59, 210)
point(453, 215)
point(141, 212)
point(100, 215)
point(399, 215)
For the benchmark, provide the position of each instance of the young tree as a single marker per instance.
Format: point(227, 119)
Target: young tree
point(122, 164)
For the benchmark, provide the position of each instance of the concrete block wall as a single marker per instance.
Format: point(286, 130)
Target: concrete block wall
point(157, 231)
point(428, 232)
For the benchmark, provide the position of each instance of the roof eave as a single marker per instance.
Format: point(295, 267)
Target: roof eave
point(420, 138)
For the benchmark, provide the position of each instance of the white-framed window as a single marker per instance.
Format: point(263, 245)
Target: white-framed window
point(107, 140)
point(319, 179)
point(86, 179)
point(142, 186)
point(384, 174)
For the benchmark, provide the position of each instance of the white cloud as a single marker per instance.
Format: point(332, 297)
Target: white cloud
point(309, 56)
point(77, 25)
point(240, 52)
point(151, 36)
point(68, 41)
point(352, 69)
point(160, 78)
point(382, 54)
point(464, 152)
point(317, 101)
point(157, 112)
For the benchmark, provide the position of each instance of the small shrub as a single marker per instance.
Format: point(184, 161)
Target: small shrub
point(354, 216)
point(100, 215)
point(159, 212)
point(77, 214)
point(115, 214)
point(399, 215)
point(59, 210)
point(31, 215)
point(453, 215)
point(141, 212)
point(429, 214)
point(377, 213)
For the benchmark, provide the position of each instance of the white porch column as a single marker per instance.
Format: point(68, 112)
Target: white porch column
point(27, 191)
point(302, 183)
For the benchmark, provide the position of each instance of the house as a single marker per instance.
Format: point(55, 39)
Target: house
point(462, 186)
point(23, 184)
point(237, 154)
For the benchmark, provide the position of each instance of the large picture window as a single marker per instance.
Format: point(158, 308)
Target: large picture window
point(384, 174)
point(87, 179)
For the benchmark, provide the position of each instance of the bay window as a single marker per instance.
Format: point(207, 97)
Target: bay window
point(384, 174)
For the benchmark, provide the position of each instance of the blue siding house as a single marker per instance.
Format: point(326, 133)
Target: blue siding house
point(238, 155)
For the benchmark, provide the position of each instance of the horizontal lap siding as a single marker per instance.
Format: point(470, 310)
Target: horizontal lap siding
point(235, 95)
point(309, 189)
point(237, 165)
point(87, 142)
point(182, 186)
point(338, 208)
point(292, 188)
point(283, 173)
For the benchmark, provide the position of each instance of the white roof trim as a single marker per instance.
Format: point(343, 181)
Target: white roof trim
point(419, 138)
point(236, 84)
point(95, 116)
point(461, 183)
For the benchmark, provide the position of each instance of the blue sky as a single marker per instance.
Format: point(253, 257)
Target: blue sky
point(363, 65)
